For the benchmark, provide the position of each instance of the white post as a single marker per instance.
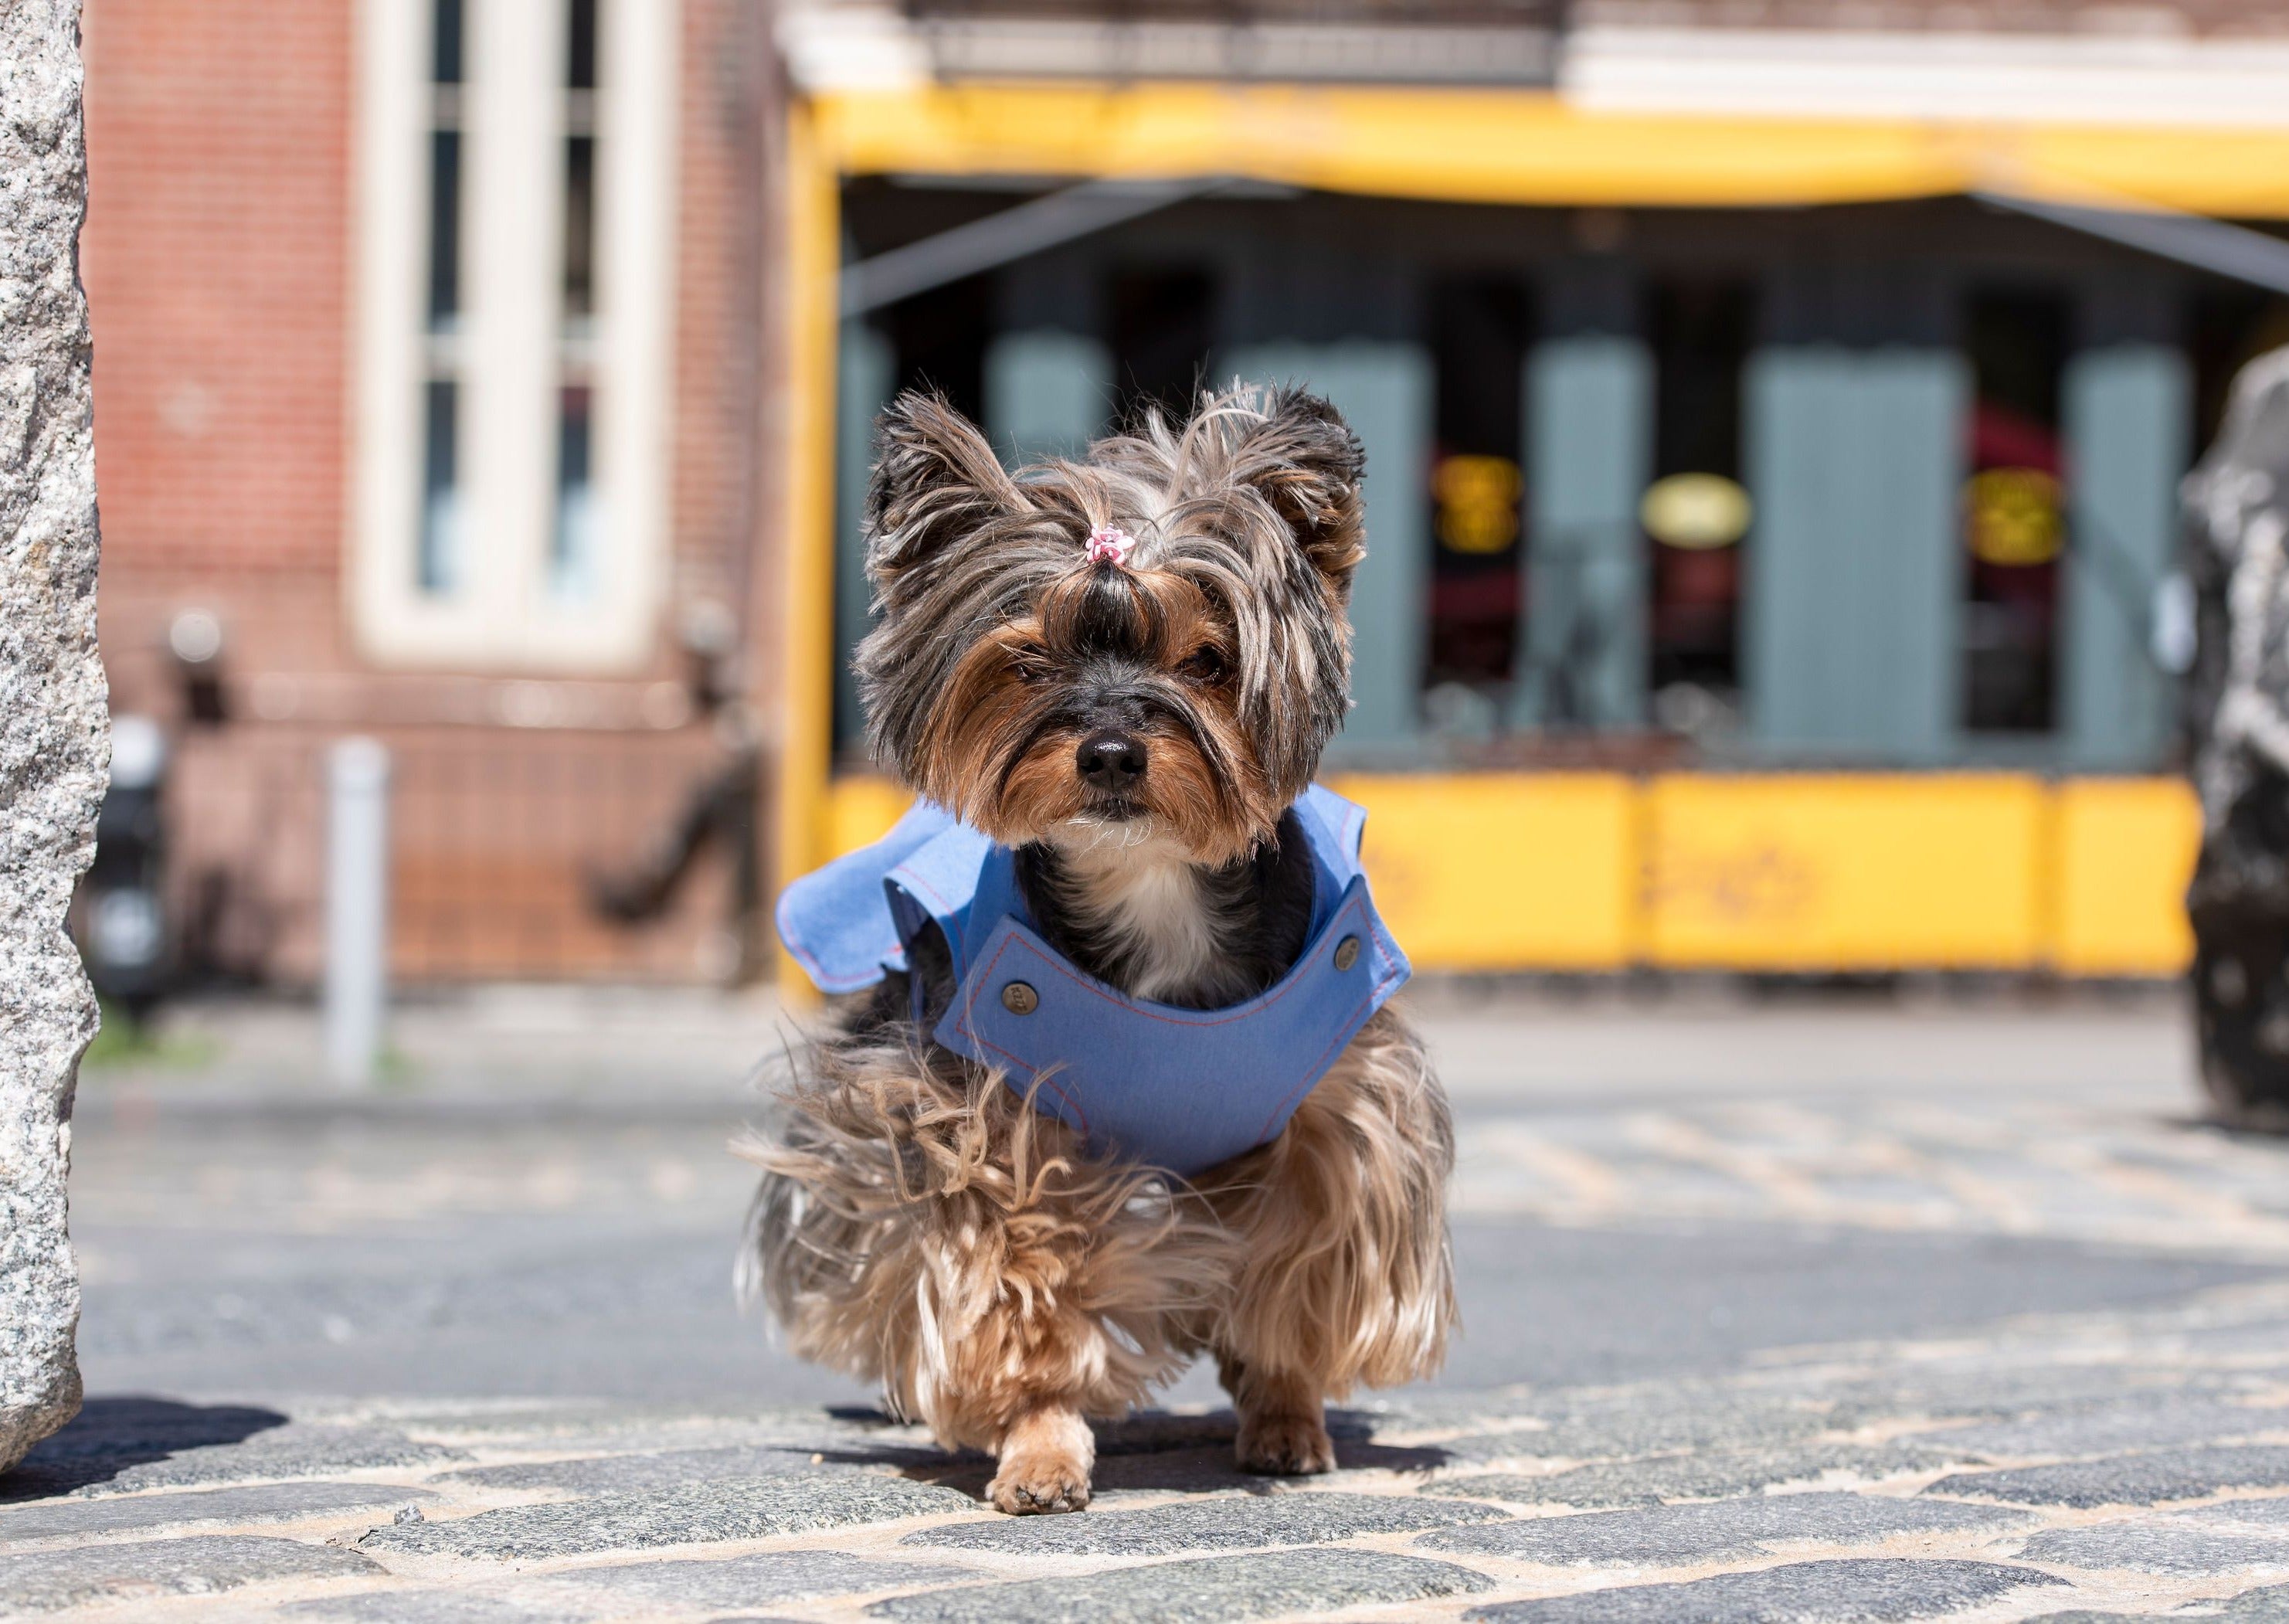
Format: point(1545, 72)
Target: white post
point(358, 906)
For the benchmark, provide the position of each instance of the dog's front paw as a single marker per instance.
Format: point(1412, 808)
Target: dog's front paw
point(1045, 1461)
point(1031, 1484)
point(1284, 1445)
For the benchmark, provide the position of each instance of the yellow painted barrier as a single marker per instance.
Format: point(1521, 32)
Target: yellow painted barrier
point(1859, 872)
point(1492, 871)
point(1776, 872)
point(2124, 851)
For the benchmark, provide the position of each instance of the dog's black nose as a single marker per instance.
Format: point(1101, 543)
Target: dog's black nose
point(1110, 762)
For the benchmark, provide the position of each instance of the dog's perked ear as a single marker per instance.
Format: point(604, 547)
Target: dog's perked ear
point(1307, 463)
point(935, 480)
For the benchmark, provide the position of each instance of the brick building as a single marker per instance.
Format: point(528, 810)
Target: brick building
point(471, 373)
point(429, 399)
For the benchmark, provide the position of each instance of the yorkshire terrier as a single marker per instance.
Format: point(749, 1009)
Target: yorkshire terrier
point(1192, 1125)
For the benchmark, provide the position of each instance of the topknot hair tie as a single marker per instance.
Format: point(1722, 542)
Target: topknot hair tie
point(1107, 545)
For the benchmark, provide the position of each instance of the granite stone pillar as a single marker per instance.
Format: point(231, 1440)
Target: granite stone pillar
point(54, 738)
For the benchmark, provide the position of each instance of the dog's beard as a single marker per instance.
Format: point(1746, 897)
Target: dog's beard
point(1095, 831)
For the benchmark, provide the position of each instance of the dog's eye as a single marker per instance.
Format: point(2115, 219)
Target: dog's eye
point(1206, 664)
point(1031, 664)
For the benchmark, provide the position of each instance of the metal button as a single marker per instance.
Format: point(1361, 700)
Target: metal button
point(1347, 953)
point(1020, 999)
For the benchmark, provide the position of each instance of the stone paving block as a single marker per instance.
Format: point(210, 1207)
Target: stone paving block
point(2148, 1424)
point(1206, 1470)
point(2129, 1480)
point(47, 1581)
point(1443, 1411)
point(1674, 1477)
point(1203, 1591)
point(1708, 1531)
point(269, 1502)
point(422, 1607)
point(643, 1427)
point(2157, 1547)
point(2269, 1514)
point(1976, 1389)
point(744, 1581)
point(2233, 1536)
point(626, 1474)
point(698, 1514)
point(1231, 1522)
point(1846, 1591)
point(1623, 1429)
point(2269, 1606)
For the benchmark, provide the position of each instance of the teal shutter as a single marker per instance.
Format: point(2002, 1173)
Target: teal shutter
point(2127, 411)
point(1589, 452)
point(1855, 576)
point(1384, 390)
point(1048, 393)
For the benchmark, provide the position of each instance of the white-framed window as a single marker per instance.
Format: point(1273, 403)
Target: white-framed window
point(516, 167)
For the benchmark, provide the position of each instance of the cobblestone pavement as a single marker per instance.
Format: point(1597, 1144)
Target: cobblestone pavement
point(1777, 1316)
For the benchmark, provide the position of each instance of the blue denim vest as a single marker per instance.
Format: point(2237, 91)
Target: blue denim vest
point(1174, 1088)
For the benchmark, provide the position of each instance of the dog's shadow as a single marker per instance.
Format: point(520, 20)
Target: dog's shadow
point(1150, 1449)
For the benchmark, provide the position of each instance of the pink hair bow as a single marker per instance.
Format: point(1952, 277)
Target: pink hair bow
point(1107, 545)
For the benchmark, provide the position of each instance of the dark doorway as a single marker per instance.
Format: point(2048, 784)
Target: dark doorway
point(2231, 326)
point(1163, 326)
point(1696, 511)
point(1479, 329)
point(939, 340)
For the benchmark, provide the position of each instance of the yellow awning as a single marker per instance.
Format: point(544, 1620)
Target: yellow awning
point(1530, 147)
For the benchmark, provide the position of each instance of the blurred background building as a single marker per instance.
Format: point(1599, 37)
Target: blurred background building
point(430, 406)
point(1773, 438)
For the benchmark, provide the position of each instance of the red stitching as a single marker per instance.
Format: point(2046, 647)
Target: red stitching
point(828, 981)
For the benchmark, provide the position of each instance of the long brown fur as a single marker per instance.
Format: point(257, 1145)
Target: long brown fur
point(919, 1224)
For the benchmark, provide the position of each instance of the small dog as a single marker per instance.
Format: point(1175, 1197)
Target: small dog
point(1113, 678)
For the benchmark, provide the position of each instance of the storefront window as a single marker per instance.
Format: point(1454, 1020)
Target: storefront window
point(2013, 511)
